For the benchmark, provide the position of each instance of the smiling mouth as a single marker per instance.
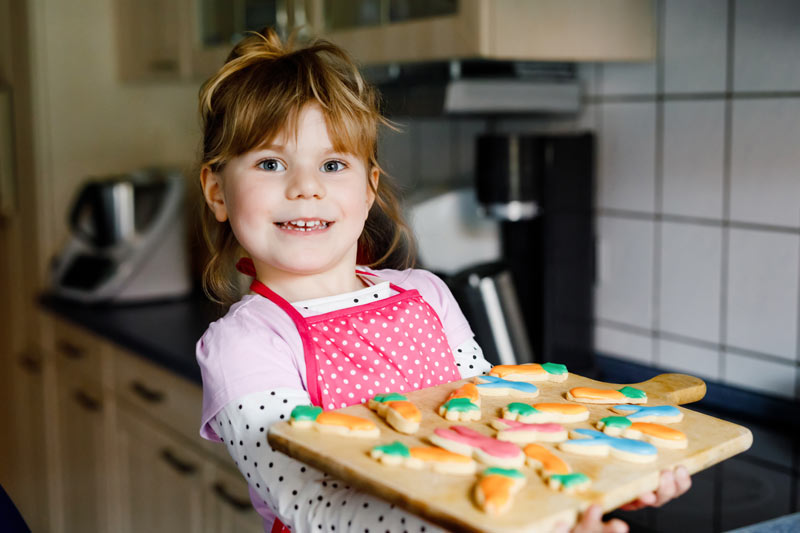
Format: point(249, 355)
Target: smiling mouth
point(304, 225)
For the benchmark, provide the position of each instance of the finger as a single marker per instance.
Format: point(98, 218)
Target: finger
point(591, 520)
point(683, 480)
point(666, 488)
point(560, 527)
point(645, 499)
point(615, 525)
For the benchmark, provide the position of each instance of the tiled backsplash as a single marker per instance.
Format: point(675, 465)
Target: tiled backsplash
point(698, 194)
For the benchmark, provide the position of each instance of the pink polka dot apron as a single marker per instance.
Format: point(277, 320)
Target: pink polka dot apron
point(396, 344)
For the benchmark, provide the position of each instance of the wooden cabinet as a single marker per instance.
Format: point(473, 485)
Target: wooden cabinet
point(30, 490)
point(161, 479)
point(228, 503)
point(118, 437)
point(84, 464)
point(387, 31)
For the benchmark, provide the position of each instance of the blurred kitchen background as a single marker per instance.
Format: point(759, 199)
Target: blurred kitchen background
point(659, 230)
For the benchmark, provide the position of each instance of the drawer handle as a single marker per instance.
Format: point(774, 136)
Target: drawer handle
point(146, 393)
point(237, 503)
point(183, 467)
point(87, 402)
point(69, 350)
point(33, 365)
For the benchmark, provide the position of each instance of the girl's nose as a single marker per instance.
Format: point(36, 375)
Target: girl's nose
point(304, 184)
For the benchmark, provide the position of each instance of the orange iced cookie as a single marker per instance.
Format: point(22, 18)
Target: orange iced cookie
point(623, 395)
point(463, 404)
point(399, 413)
point(531, 372)
point(495, 490)
point(437, 459)
point(657, 434)
point(549, 463)
point(540, 413)
point(308, 416)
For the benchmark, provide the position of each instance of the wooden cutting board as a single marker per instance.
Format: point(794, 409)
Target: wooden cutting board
point(447, 499)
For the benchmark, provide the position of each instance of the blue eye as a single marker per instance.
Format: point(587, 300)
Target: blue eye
point(271, 165)
point(332, 166)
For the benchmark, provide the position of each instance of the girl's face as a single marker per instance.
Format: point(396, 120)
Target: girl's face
point(296, 206)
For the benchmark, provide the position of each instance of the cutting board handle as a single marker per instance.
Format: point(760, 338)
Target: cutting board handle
point(677, 389)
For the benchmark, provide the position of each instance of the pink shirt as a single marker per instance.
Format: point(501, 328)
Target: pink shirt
point(256, 347)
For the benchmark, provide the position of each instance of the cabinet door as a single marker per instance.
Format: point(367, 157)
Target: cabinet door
point(30, 487)
point(82, 455)
point(160, 476)
point(228, 507)
point(152, 39)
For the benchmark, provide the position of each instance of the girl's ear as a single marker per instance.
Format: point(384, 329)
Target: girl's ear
point(374, 177)
point(212, 190)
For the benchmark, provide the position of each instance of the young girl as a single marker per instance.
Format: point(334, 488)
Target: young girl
point(295, 194)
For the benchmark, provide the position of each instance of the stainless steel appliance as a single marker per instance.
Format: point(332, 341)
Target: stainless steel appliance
point(128, 240)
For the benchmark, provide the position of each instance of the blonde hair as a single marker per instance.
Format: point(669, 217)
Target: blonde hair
point(257, 94)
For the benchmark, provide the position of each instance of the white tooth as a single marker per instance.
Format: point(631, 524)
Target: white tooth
point(300, 223)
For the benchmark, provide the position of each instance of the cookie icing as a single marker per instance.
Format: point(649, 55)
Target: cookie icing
point(596, 438)
point(592, 395)
point(531, 371)
point(460, 405)
point(652, 413)
point(549, 462)
point(570, 481)
point(494, 382)
point(472, 438)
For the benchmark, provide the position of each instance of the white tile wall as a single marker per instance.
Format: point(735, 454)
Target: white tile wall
point(693, 158)
point(766, 376)
point(765, 161)
point(763, 292)
point(688, 359)
point(627, 79)
point(723, 193)
point(625, 291)
point(624, 344)
point(766, 41)
point(689, 297)
point(626, 158)
point(695, 44)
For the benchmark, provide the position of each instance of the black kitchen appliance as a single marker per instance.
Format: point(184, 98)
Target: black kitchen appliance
point(541, 188)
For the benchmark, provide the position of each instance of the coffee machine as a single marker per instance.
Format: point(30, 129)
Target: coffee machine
point(540, 189)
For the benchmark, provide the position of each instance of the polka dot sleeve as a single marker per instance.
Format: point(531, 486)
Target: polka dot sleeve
point(305, 499)
point(469, 359)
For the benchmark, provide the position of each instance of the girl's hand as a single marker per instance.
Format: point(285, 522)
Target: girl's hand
point(592, 522)
point(671, 485)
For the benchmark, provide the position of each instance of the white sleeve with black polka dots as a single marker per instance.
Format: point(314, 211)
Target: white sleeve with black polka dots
point(470, 361)
point(305, 499)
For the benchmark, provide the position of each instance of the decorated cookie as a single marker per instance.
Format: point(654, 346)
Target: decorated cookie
point(437, 459)
point(591, 442)
point(494, 386)
point(488, 450)
point(463, 404)
point(569, 483)
point(563, 413)
point(521, 433)
point(657, 434)
point(545, 461)
point(623, 395)
point(496, 488)
point(663, 414)
point(399, 413)
point(308, 416)
point(531, 372)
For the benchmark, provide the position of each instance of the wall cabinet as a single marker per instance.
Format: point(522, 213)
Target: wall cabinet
point(189, 39)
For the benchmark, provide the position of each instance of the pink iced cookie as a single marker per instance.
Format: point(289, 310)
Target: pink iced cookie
point(522, 433)
point(488, 450)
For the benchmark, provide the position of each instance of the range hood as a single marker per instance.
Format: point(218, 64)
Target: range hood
point(477, 87)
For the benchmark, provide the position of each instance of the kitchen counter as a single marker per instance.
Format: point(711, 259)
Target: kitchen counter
point(163, 332)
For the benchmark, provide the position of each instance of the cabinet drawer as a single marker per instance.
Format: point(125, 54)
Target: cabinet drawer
point(170, 400)
point(78, 351)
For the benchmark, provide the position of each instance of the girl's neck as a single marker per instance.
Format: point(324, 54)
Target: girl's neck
point(295, 288)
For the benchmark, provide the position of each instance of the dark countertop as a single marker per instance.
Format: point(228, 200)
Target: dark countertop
point(162, 332)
